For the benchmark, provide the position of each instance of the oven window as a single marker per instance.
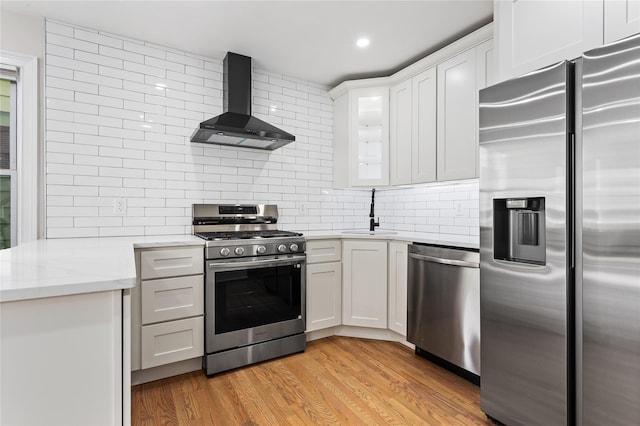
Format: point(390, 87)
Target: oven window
point(254, 297)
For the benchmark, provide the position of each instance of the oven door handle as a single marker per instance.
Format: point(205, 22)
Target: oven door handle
point(257, 263)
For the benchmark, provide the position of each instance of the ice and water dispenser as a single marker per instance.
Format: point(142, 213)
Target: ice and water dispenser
point(518, 230)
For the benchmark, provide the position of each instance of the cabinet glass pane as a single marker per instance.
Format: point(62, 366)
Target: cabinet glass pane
point(370, 137)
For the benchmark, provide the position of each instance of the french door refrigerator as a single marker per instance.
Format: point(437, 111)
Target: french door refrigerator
point(560, 242)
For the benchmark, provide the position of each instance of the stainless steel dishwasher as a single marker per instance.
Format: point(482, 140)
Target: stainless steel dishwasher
point(443, 306)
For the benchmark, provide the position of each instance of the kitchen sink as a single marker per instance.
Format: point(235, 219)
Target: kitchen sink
point(359, 232)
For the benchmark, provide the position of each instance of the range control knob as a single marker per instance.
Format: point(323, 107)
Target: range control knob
point(282, 248)
point(261, 249)
point(239, 251)
point(224, 251)
point(293, 247)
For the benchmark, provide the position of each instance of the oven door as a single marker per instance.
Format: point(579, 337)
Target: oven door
point(253, 300)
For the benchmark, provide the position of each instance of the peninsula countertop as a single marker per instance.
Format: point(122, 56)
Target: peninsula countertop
point(60, 267)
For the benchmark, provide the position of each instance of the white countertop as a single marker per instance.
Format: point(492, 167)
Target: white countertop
point(385, 234)
point(58, 267)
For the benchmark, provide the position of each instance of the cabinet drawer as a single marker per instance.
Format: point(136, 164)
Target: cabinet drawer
point(324, 251)
point(172, 341)
point(172, 298)
point(171, 262)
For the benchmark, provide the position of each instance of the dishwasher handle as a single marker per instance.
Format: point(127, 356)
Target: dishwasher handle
point(444, 261)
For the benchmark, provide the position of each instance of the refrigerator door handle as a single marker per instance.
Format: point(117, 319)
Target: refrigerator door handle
point(572, 199)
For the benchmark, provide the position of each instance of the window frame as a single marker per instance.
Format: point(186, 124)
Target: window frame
point(11, 172)
point(27, 143)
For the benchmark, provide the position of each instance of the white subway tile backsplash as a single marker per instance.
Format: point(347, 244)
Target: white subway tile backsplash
point(53, 27)
point(119, 116)
point(65, 52)
point(72, 43)
point(72, 148)
point(185, 78)
point(93, 160)
point(95, 37)
point(120, 133)
point(86, 98)
point(117, 171)
point(95, 58)
point(144, 69)
point(97, 79)
point(182, 58)
point(108, 151)
point(58, 114)
point(96, 119)
point(71, 85)
point(167, 65)
point(70, 64)
point(53, 71)
point(75, 128)
point(122, 74)
point(139, 47)
point(101, 141)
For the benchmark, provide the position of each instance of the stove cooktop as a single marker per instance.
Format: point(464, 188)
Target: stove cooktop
point(245, 235)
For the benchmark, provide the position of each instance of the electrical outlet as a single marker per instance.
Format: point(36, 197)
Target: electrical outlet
point(120, 206)
point(460, 211)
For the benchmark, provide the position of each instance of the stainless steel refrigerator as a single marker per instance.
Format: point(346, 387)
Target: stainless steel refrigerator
point(560, 242)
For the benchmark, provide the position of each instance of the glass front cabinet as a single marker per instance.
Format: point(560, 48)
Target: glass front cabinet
point(361, 133)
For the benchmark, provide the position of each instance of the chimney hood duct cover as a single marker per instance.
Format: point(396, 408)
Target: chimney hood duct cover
point(236, 126)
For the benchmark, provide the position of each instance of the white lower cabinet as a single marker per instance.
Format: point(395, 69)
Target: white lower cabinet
point(172, 298)
point(167, 306)
point(364, 285)
point(324, 284)
point(398, 287)
point(172, 341)
point(63, 360)
point(324, 295)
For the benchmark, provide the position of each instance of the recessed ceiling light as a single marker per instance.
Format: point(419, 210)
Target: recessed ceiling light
point(363, 42)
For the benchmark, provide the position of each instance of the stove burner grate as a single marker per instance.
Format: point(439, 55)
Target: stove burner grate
point(245, 235)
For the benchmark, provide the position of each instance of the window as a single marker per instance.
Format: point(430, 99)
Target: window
point(8, 175)
point(18, 148)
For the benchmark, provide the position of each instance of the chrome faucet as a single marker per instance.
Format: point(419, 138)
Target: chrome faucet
point(372, 221)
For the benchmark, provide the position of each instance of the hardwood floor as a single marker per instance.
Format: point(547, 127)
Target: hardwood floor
point(336, 381)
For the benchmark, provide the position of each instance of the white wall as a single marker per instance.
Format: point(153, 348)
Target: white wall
point(112, 132)
point(25, 34)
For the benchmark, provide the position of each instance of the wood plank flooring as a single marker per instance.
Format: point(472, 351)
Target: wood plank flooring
point(336, 381)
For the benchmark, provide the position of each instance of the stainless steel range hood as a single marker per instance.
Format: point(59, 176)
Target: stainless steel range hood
point(236, 126)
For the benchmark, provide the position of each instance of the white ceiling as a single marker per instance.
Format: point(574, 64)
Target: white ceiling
point(310, 40)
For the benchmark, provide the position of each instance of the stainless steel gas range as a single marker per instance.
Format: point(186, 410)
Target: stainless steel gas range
point(255, 279)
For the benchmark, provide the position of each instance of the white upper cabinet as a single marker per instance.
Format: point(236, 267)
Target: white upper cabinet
point(361, 137)
point(457, 118)
point(400, 133)
point(423, 144)
point(485, 71)
point(412, 126)
point(621, 19)
point(410, 145)
point(532, 34)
